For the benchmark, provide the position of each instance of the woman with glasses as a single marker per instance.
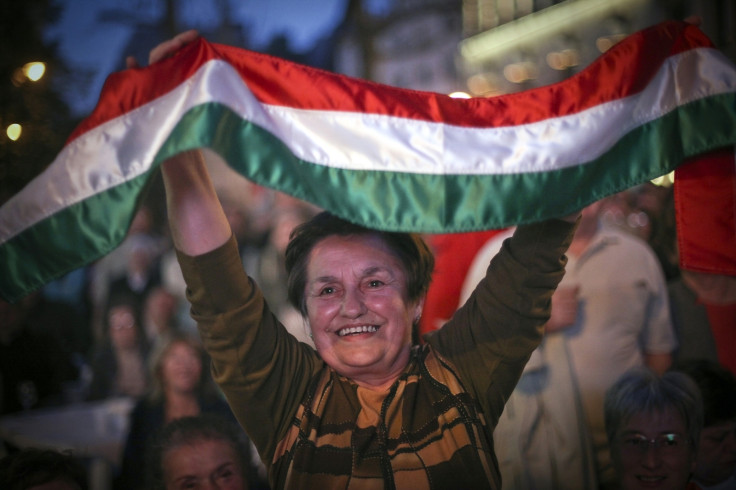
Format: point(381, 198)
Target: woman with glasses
point(119, 360)
point(653, 425)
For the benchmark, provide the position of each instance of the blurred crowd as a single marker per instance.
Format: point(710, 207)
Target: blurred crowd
point(120, 327)
point(624, 305)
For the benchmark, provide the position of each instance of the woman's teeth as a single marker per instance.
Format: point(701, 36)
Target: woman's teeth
point(353, 330)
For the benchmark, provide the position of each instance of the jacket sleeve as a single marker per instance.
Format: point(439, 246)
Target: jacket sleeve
point(262, 370)
point(490, 338)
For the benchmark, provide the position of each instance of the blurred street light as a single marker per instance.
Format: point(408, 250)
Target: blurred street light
point(13, 131)
point(34, 70)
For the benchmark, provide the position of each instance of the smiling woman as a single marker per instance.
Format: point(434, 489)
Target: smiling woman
point(369, 408)
point(361, 292)
point(653, 425)
point(369, 405)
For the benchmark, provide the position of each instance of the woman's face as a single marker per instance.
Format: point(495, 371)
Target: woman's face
point(665, 464)
point(203, 464)
point(181, 368)
point(358, 309)
point(121, 323)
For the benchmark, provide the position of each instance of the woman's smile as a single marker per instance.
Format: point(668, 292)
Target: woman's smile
point(358, 309)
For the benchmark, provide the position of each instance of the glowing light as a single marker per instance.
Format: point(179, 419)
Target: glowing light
point(459, 95)
point(607, 42)
point(520, 72)
point(664, 180)
point(562, 60)
point(13, 131)
point(34, 70)
point(484, 84)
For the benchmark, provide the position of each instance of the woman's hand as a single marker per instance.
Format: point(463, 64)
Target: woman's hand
point(165, 49)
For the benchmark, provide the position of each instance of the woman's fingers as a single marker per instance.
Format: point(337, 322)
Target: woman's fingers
point(168, 48)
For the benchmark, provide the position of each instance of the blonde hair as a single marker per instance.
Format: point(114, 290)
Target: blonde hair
point(205, 386)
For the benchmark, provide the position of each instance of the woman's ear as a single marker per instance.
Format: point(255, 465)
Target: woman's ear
point(418, 308)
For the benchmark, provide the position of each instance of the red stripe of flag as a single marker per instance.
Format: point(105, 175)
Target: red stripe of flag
point(627, 68)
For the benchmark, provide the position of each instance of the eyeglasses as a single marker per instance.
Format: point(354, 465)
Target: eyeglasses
point(122, 326)
point(666, 443)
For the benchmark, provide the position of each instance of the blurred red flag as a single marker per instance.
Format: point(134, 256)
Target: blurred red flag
point(705, 201)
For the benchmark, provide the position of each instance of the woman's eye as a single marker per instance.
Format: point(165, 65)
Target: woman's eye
point(375, 283)
point(224, 475)
point(327, 291)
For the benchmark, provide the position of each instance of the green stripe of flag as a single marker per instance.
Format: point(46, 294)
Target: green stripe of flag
point(92, 228)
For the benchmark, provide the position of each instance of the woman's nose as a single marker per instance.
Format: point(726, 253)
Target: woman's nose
point(353, 304)
point(651, 457)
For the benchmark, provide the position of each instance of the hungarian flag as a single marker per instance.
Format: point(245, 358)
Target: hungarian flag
point(384, 157)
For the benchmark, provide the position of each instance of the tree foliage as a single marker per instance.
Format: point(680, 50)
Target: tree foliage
point(42, 113)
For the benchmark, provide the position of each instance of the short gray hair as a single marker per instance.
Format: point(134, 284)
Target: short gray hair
point(642, 390)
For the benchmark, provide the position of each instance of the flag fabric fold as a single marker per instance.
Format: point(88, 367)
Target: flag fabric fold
point(385, 157)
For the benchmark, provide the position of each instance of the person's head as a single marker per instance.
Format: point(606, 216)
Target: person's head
point(717, 448)
point(361, 291)
point(178, 366)
point(123, 320)
point(159, 309)
point(653, 425)
point(42, 469)
point(198, 452)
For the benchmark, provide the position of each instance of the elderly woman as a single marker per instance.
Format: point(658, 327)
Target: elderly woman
point(367, 409)
point(653, 425)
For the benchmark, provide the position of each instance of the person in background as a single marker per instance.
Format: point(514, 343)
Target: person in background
point(42, 469)
point(129, 267)
point(180, 387)
point(119, 361)
point(542, 439)
point(653, 424)
point(204, 451)
point(716, 465)
point(614, 302)
point(159, 316)
point(623, 320)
